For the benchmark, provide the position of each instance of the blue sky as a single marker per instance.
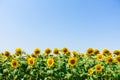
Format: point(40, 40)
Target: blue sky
point(76, 24)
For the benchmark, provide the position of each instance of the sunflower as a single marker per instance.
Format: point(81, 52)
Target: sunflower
point(50, 62)
point(48, 51)
point(33, 55)
point(96, 51)
point(27, 56)
point(74, 53)
point(116, 52)
point(18, 51)
point(65, 50)
point(98, 68)
point(31, 61)
point(106, 52)
point(68, 53)
point(82, 54)
point(36, 51)
point(7, 53)
point(89, 51)
point(72, 61)
point(14, 55)
point(90, 71)
point(118, 59)
point(56, 51)
point(109, 59)
point(99, 57)
point(14, 63)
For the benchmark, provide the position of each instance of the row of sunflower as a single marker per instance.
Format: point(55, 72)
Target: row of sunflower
point(60, 64)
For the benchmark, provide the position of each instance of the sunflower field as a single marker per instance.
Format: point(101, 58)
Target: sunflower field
point(60, 64)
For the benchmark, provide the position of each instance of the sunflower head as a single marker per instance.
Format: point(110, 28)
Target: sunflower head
point(48, 51)
point(31, 61)
point(109, 59)
point(96, 51)
point(90, 71)
point(18, 51)
point(56, 51)
point(14, 55)
point(65, 50)
point(98, 68)
point(68, 53)
point(118, 59)
point(7, 53)
point(116, 52)
point(33, 55)
point(106, 52)
point(74, 53)
point(36, 51)
point(99, 57)
point(82, 54)
point(14, 63)
point(89, 51)
point(27, 56)
point(50, 62)
point(72, 61)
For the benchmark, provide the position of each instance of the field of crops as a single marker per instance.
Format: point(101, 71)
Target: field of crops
point(60, 64)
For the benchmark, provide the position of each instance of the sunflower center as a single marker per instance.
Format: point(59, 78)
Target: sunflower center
point(48, 51)
point(117, 53)
point(14, 63)
point(31, 61)
point(106, 52)
point(65, 50)
point(100, 57)
point(19, 52)
point(98, 68)
point(7, 54)
point(50, 62)
point(110, 60)
point(72, 61)
point(56, 51)
point(90, 51)
point(118, 59)
point(96, 52)
point(37, 52)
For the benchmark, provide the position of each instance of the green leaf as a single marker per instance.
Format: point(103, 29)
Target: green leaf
point(5, 71)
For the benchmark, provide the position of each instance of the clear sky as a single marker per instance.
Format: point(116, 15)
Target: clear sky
point(76, 24)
